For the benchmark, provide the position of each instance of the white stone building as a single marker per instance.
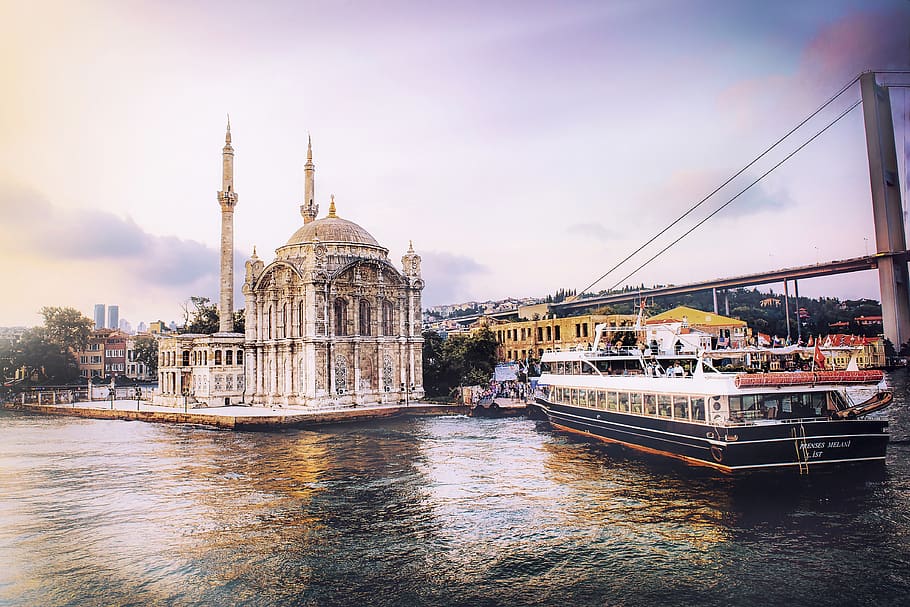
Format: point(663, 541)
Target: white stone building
point(331, 321)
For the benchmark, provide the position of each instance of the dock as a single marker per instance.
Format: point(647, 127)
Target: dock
point(248, 418)
point(499, 407)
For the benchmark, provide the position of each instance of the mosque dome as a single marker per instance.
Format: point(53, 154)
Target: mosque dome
point(332, 229)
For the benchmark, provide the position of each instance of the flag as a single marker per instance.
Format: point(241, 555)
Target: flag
point(819, 358)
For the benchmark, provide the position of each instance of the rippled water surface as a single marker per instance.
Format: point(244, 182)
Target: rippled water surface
point(430, 511)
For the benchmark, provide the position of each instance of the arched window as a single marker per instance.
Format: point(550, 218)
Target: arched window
point(229, 357)
point(186, 358)
point(341, 316)
point(217, 357)
point(387, 316)
point(365, 319)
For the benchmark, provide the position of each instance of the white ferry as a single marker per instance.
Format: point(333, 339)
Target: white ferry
point(668, 398)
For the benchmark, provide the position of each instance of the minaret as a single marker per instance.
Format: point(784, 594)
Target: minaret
point(309, 209)
point(227, 197)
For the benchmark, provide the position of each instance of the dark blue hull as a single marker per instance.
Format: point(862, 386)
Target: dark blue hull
point(792, 443)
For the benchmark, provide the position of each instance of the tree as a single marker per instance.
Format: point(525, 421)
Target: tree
point(38, 354)
point(200, 315)
point(146, 352)
point(67, 327)
point(239, 321)
point(7, 366)
point(458, 360)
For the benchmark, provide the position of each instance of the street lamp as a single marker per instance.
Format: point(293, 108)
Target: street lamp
point(186, 396)
point(113, 391)
point(138, 396)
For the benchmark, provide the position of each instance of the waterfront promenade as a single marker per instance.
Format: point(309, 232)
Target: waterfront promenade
point(235, 417)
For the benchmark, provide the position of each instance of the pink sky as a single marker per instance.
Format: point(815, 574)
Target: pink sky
point(522, 146)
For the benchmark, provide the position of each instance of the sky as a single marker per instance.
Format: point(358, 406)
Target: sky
point(523, 147)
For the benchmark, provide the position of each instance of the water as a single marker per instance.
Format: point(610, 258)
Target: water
point(434, 511)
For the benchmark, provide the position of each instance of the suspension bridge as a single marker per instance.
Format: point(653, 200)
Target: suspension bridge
point(890, 259)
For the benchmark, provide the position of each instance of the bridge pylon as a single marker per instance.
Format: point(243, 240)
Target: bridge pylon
point(887, 211)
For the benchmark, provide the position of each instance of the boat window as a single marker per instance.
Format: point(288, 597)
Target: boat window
point(573, 396)
point(681, 407)
point(634, 402)
point(664, 405)
point(736, 408)
point(650, 404)
point(561, 368)
point(583, 397)
point(770, 405)
point(587, 368)
point(544, 367)
point(603, 366)
point(819, 403)
point(806, 404)
point(576, 367)
point(698, 408)
point(611, 401)
point(601, 399)
point(624, 402)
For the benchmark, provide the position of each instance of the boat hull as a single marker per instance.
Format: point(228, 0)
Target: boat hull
point(785, 444)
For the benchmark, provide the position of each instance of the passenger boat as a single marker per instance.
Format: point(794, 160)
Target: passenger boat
point(668, 398)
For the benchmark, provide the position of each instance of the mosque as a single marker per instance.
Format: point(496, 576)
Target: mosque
point(329, 322)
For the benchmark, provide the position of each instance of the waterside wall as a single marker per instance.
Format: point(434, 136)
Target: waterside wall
point(244, 422)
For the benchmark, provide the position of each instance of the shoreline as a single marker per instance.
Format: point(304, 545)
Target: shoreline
point(237, 417)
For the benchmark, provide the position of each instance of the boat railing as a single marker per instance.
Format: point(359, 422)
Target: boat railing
point(760, 420)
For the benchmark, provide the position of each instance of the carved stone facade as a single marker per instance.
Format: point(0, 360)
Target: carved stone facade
point(200, 370)
point(331, 322)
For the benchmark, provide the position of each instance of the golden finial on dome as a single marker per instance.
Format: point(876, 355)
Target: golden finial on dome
point(410, 246)
point(332, 207)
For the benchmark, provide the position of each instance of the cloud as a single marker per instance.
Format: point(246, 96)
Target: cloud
point(685, 189)
point(96, 255)
point(593, 230)
point(857, 42)
point(448, 275)
point(44, 231)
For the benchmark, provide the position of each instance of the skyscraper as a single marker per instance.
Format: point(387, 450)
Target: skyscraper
point(99, 316)
point(113, 317)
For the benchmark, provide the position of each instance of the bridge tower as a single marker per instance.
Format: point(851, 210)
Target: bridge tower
point(890, 239)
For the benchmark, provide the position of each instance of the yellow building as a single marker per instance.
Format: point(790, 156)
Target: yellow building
point(729, 332)
point(158, 328)
point(521, 339)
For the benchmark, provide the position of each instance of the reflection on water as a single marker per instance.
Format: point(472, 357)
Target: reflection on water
point(432, 511)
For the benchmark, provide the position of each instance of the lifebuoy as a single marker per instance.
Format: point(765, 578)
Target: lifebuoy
point(717, 454)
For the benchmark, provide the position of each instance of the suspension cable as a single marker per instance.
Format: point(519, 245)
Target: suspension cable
point(741, 192)
point(721, 186)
